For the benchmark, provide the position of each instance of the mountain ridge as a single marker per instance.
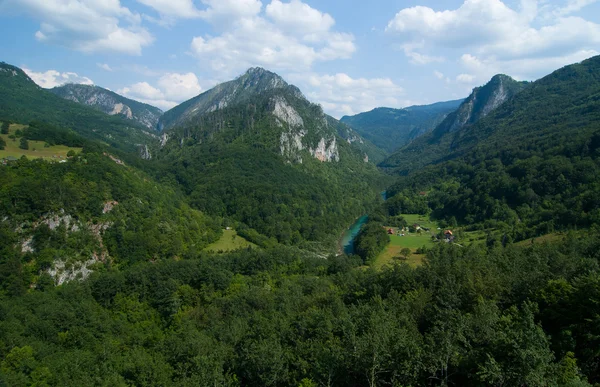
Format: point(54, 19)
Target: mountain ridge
point(391, 128)
point(110, 103)
point(437, 144)
point(23, 101)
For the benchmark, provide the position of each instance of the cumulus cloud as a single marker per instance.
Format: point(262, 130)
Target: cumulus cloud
point(83, 25)
point(179, 87)
point(286, 36)
point(171, 90)
point(299, 17)
point(531, 39)
point(340, 94)
point(53, 78)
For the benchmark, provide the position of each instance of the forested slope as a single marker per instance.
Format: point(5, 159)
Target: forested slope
point(532, 165)
point(22, 101)
point(471, 316)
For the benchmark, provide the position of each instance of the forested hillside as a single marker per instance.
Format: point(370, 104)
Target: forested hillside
point(531, 166)
point(391, 129)
point(276, 164)
point(108, 275)
point(22, 101)
point(439, 144)
point(471, 316)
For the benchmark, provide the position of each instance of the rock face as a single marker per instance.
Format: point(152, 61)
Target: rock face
point(480, 103)
point(255, 81)
point(444, 139)
point(110, 103)
point(259, 107)
point(76, 267)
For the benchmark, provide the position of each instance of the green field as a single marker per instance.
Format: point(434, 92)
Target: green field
point(36, 148)
point(410, 240)
point(229, 241)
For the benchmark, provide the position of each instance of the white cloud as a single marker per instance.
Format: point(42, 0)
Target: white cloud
point(572, 7)
point(299, 17)
point(289, 36)
point(171, 90)
point(340, 94)
point(105, 67)
point(53, 78)
point(229, 11)
point(85, 25)
point(490, 35)
point(180, 87)
point(173, 8)
point(438, 74)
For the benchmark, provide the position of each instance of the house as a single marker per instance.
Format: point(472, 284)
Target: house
point(423, 193)
point(391, 231)
point(416, 226)
point(448, 233)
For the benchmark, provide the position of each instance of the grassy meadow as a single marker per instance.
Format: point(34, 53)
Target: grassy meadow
point(36, 149)
point(229, 241)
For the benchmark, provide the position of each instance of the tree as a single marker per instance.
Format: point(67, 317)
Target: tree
point(24, 144)
point(2, 143)
point(405, 253)
point(5, 127)
point(71, 153)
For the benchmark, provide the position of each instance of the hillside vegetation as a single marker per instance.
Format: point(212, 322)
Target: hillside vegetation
point(22, 101)
point(391, 129)
point(530, 167)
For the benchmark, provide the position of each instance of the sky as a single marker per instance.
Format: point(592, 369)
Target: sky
point(349, 56)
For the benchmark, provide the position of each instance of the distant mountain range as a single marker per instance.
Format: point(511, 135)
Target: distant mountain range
point(110, 103)
point(391, 129)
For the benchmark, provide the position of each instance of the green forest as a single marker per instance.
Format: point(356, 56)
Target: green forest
point(108, 277)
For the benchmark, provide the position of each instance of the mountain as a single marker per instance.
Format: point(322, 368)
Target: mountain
point(257, 151)
point(529, 167)
point(287, 107)
point(22, 101)
point(254, 81)
point(110, 103)
point(437, 144)
point(390, 128)
point(482, 101)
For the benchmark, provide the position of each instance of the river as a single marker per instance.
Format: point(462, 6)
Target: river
point(347, 241)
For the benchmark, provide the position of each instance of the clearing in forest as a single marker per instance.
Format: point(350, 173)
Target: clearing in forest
point(229, 241)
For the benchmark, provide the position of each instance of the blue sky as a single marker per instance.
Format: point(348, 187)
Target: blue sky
point(349, 56)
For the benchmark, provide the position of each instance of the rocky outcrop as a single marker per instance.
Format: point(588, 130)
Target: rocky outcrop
point(77, 267)
point(110, 103)
point(326, 150)
point(482, 101)
point(145, 152)
point(255, 81)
